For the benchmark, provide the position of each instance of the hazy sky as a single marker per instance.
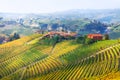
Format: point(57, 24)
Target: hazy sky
point(46, 6)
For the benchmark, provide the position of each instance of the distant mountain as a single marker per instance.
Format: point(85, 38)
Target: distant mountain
point(103, 15)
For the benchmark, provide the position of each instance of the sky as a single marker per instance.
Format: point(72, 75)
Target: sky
point(49, 6)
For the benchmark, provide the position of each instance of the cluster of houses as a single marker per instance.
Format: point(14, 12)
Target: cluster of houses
point(72, 34)
point(63, 34)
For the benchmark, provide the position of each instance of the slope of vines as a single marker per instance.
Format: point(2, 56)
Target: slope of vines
point(93, 67)
point(25, 59)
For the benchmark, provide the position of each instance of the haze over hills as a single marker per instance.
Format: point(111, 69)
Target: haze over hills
point(78, 20)
point(104, 15)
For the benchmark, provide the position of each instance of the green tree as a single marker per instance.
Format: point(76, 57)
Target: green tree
point(14, 36)
point(106, 37)
point(80, 40)
point(55, 40)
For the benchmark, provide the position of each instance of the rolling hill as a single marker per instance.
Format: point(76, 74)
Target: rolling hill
point(28, 59)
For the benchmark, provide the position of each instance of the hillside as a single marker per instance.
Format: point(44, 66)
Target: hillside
point(115, 31)
point(28, 26)
point(28, 59)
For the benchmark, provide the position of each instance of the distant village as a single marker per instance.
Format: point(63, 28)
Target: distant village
point(48, 30)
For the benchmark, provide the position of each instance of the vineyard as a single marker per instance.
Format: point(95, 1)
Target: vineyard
point(27, 59)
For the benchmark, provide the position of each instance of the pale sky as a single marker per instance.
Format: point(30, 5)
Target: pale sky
point(48, 6)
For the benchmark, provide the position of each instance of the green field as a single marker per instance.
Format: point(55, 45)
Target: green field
point(27, 59)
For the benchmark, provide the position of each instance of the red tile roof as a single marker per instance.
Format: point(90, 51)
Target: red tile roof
point(95, 36)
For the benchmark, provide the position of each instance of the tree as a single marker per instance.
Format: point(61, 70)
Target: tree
point(80, 40)
point(55, 40)
point(106, 37)
point(14, 36)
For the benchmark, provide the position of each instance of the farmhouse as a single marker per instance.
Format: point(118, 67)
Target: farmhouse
point(95, 36)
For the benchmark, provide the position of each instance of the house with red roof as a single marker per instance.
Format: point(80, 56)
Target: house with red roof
point(95, 36)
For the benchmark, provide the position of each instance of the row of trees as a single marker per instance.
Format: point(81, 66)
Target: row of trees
point(55, 39)
point(52, 41)
point(84, 40)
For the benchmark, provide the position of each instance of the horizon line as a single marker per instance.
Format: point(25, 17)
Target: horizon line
point(55, 11)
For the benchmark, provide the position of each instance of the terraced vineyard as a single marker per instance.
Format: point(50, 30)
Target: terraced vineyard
point(93, 67)
point(30, 60)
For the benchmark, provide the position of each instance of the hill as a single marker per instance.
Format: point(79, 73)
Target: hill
point(115, 31)
point(81, 21)
point(102, 15)
point(28, 59)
